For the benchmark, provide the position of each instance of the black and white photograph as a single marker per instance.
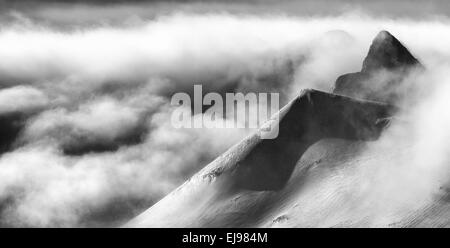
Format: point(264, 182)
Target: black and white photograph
point(254, 114)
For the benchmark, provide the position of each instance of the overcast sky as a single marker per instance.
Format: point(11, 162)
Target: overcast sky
point(113, 11)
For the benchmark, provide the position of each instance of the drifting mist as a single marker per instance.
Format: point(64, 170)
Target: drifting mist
point(90, 107)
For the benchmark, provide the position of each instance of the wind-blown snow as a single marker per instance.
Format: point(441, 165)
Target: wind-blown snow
point(96, 145)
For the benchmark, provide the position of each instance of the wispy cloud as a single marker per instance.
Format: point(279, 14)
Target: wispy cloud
point(106, 88)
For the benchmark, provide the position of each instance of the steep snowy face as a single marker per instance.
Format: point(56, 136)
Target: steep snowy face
point(257, 176)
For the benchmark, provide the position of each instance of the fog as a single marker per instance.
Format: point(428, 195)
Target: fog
point(96, 145)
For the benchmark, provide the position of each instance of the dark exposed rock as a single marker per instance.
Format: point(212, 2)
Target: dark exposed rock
point(266, 165)
point(387, 63)
point(312, 116)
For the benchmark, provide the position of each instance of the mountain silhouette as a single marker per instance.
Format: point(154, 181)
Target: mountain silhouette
point(386, 52)
point(384, 69)
point(269, 182)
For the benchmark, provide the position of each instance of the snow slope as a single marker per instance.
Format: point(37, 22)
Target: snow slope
point(325, 168)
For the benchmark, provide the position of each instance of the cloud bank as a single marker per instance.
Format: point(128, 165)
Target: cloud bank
point(93, 143)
